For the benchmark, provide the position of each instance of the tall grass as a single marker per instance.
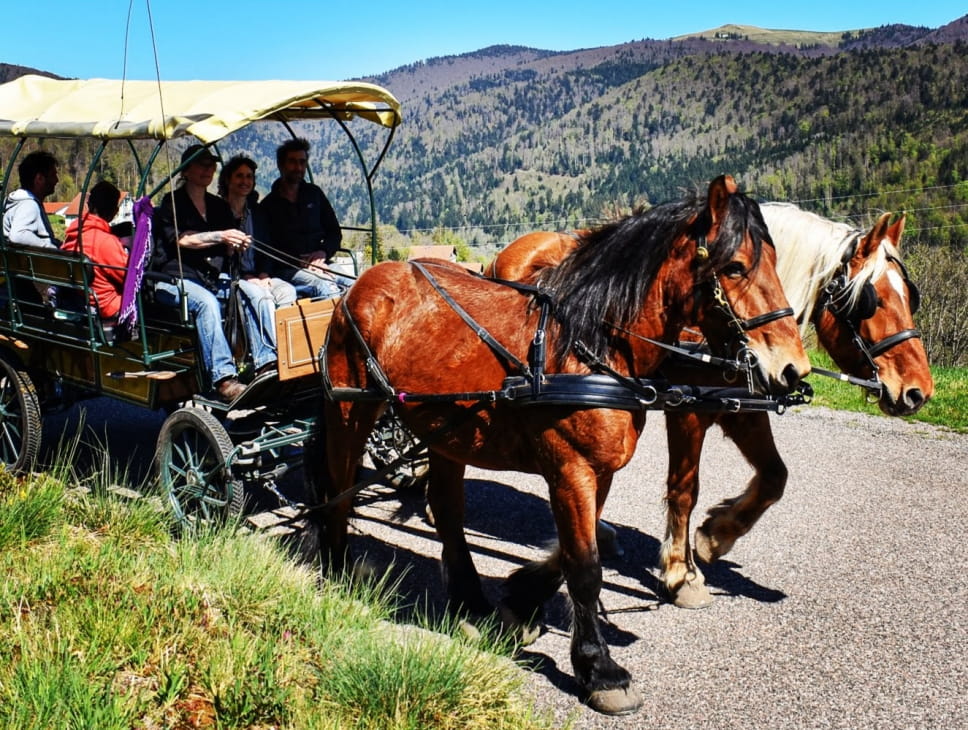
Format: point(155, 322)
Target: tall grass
point(108, 621)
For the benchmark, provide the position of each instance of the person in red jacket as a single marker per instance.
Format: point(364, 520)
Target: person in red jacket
point(102, 247)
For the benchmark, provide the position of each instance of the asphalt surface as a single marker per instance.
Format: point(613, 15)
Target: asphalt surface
point(845, 607)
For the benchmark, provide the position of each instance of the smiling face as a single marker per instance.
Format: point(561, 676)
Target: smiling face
point(241, 182)
point(200, 173)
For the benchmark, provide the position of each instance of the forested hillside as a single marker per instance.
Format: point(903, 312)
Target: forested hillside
point(509, 139)
point(515, 136)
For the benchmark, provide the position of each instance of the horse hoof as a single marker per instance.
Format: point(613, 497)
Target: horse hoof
point(608, 542)
point(693, 595)
point(704, 548)
point(621, 701)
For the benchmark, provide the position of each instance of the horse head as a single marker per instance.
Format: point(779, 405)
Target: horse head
point(866, 322)
point(741, 308)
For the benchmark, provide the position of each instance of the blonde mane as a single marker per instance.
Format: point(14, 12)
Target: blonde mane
point(810, 251)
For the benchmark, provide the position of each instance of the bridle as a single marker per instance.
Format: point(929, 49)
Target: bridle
point(837, 300)
point(744, 361)
point(745, 356)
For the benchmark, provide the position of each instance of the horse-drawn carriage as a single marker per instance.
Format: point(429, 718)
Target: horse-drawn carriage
point(59, 349)
point(552, 379)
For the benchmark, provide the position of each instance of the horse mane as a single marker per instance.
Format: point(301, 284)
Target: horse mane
point(810, 251)
point(604, 282)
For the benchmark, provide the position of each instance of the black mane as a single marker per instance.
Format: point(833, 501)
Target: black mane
point(607, 278)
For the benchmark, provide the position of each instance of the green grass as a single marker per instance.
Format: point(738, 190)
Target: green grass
point(948, 407)
point(107, 621)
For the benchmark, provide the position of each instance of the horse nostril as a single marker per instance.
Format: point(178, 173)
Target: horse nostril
point(914, 399)
point(791, 377)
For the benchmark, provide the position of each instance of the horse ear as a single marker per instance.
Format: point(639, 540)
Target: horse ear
point(870, 242)
point(719, 191)
point(896, 229)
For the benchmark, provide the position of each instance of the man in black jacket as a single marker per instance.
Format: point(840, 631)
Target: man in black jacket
point(302, 224)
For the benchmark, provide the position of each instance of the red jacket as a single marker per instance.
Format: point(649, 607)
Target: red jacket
point(102, 247)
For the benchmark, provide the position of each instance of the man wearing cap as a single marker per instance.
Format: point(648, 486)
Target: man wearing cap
point(197, 234)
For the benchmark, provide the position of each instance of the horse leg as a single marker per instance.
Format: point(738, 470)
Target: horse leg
point(533, 585)
point(445, 498)
point(576, 500)
point(733, 518)
point(346, 427)
point(685, 434)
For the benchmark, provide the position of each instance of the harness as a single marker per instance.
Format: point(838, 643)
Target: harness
point(603, 388)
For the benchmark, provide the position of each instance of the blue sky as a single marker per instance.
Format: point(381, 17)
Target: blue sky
point(320, 39)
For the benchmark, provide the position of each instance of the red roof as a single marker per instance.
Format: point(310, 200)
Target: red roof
point(73, 210)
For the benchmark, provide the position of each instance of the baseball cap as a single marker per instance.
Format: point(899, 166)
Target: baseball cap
point(203, 156)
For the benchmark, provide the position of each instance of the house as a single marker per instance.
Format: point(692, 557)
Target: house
point(71, 210)
point(55, 208)
point(448, 253)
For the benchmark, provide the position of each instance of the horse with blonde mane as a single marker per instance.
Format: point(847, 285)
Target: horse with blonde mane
point(853, 288)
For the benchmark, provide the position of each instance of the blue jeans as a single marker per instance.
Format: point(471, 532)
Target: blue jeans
point(259, 317)
point(283, 293)
point(313, 285)
point(213, 347)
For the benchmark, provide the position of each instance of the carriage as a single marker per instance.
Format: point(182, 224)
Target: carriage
point(485, 399)
point(209, 454)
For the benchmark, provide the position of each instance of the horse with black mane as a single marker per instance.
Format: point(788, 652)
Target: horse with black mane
point(853, 288)
point(440, 345)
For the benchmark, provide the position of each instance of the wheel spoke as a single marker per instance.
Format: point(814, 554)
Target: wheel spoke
point(193, 454)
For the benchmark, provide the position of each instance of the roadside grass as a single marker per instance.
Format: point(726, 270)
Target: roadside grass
point(948, 407)
point(108, 621)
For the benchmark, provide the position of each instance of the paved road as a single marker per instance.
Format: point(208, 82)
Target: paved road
point(844, 608)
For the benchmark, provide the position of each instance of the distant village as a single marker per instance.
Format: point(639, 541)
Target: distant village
point(71, 211)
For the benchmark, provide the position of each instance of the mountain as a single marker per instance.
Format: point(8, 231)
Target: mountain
point(509, 138)
point(9, 72)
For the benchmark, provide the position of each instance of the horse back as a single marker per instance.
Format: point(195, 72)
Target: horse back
point(525, 257)
point(418, 339)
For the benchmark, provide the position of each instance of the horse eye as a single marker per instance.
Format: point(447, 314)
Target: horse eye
point(734, 270)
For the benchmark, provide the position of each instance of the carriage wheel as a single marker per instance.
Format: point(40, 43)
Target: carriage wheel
point(389, 440)
point(192, 462)
point(21, 426)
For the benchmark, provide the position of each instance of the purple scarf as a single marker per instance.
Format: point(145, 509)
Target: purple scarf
point(137, 261)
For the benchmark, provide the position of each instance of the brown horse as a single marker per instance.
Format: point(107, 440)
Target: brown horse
point(439, 343)
point(853, 288)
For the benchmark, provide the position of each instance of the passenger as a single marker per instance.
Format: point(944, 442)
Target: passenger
point(236, 184)
point(25, 221)
point(100, 245)
point(201, 228)
point(302, 223)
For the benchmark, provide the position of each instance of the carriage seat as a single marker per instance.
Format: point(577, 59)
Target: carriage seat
point(66, 278)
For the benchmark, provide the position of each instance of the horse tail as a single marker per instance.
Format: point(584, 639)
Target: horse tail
point(316, 486)
point(528, 588)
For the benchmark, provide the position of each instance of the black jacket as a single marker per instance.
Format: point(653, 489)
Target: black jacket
point(204, 264)
point(309, 224)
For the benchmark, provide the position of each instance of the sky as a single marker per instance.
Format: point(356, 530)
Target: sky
point(326, 40)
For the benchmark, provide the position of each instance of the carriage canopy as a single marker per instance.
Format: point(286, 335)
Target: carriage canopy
point(37, 106)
